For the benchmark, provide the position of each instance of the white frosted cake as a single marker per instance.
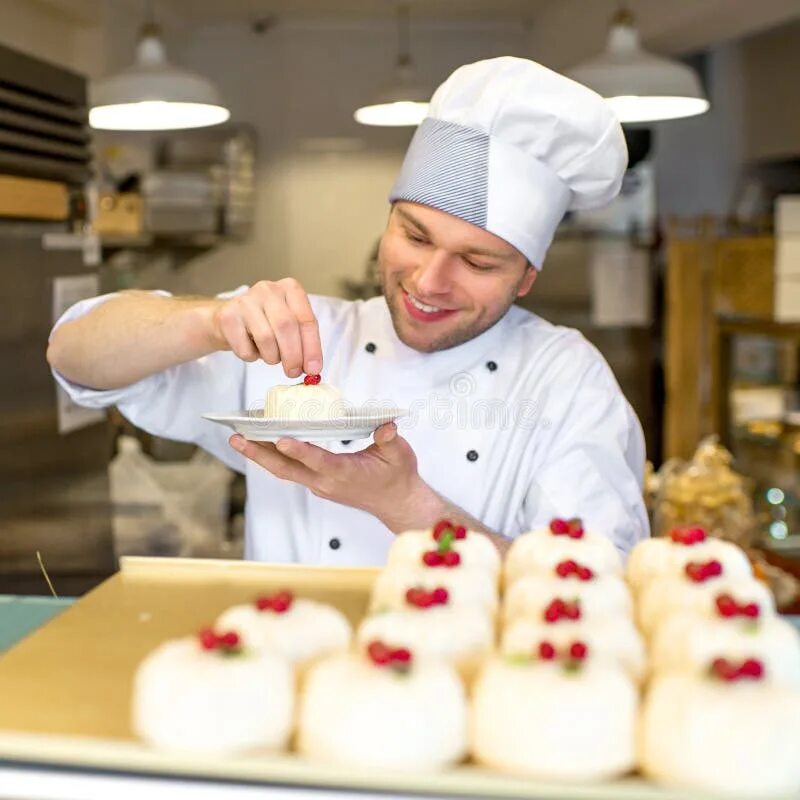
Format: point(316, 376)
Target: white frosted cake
point(727, 731)
point(695, 590)
point(475, 549)
point(310, 400)
point(598, 596)
point(669, 555)
point(612, 640)
point(466, 587)
point(689, 641)
point(540, 551)
point(209, 694)
point(554, 715)
point(300, 630)
point(382, 708)
point(431, 627)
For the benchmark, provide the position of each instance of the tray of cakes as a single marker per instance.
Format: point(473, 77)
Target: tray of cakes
point(555, 672)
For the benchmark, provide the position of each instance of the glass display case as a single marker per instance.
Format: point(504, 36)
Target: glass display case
point(758, 419)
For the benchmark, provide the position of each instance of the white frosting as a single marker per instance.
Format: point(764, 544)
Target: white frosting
point(301, 402)
point(356, 713)
point(612, 640)
point(475, 549)
point(539, 551)
point(538, 719)
point(185, 698)
point(669, 594)
point(466, 586)
point(690, 642)
point(453, 633)
point(302, 634)
point(652, 558)
point(598, 597)
point(740, 738)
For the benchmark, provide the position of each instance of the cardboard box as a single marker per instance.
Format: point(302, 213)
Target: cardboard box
point(787, 215)
point(787, 299)
point(787, 256)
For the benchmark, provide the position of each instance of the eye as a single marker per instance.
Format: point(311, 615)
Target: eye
point(479, 267)
point(415, 237)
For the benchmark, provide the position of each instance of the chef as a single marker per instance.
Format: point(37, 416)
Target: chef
point(513, 420)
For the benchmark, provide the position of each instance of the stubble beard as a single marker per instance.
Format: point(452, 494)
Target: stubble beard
point(393, 292)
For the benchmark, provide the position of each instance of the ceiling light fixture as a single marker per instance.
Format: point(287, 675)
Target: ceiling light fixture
point(640, 86)
point(154, 95)
point(404, 103)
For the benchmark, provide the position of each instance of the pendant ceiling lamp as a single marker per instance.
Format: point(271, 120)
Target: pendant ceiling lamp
point(404, 103)
point(640, 86)
point(154, 95)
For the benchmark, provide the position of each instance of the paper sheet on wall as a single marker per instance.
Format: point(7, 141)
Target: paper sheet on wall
point(620, 276)
point(67, 290)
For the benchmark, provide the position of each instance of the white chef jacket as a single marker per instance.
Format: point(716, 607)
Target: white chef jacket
point(516, 426)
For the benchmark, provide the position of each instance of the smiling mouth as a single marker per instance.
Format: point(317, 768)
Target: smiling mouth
point(428, 309)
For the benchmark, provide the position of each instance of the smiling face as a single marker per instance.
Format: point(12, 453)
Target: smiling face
point(446, 281)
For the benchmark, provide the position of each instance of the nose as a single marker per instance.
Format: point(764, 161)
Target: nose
point(432, 277)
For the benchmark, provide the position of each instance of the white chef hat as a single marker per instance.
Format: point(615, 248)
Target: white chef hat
point(509, 146)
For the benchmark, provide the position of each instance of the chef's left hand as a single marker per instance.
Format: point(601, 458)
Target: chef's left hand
point(381, 479)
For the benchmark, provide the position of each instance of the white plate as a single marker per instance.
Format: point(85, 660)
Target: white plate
point(357, 423)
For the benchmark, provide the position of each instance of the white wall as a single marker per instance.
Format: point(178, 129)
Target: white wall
point(699, 160)
point(40, 31)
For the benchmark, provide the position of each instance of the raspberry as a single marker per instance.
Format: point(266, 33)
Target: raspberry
point(451, 558)
point(726, 606)
point(230, 639)
point(379, 653)
point(440, 527)
point(563, 570)
point(441, 595)
point(578, 651)
point(208, 639)
point(546, 651)
point(750, 610)
point(432, 559)
point(559, 526)
point(312, 380)
point(751, 668)
point(724, 670)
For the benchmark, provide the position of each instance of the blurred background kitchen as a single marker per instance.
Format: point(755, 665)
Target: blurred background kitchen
point(689, 283)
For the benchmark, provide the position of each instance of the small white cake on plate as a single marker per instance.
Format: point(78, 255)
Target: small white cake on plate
point(300, 630)
point(540, 551)
point(612, 639)
point(431, 627)
point(306, 401)
point(554, 715)
point(209, 694)
point(726, 730)
point(383, 708)
point(475, 549)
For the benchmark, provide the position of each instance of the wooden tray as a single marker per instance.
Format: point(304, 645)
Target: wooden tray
point(65, 690)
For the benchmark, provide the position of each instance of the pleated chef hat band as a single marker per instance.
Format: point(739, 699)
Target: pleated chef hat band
point(510, 146)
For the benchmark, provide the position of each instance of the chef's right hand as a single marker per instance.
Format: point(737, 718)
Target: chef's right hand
point(274, 321)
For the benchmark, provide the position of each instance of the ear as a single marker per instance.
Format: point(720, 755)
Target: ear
point(528, 279)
